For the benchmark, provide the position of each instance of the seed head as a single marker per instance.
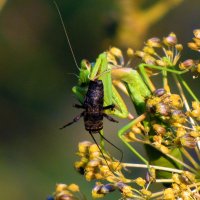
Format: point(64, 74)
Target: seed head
point(179, 47)
point(130, 52)
point(170, 40)
point(60, 187)
point(140, 181)
point(188, 141)
point(153, 42)
point(193, 46)
point(168, 194)
point(197, 33)
point(161, 63)
point(116, 52)
point(159, 129)
point(145, 192)
point(159, 92)
point(74, 188)
point(149, 50)
point(187, 64)
point(140, 54)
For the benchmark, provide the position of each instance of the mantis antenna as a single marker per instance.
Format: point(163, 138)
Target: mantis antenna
point(66, 34)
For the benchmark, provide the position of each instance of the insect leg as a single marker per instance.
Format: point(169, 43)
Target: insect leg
point(109, 107)
point(74, 120)
point(110, 118)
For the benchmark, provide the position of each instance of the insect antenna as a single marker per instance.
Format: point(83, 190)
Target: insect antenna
point(101, 151)
point(73, 74)
point(122, 154)
point(66, 34)
point(97, 76)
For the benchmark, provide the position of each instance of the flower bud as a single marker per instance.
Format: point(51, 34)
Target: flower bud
point(170, 40)
point(116, 52)
point(136, 130)
point(146, 192)
point(140, 54)
point(130, 52)
point(84, 146)
point(107, 188)
point(164, 149)
point(159, 92)
point(130, 136)
point(179, 47)
point(195, 134)
point(140, 181)
point(73, 187)
point(188, 141)
point(193, 46)
point(161, 63)
point(198, 67)
point(96, 191)
point(197, 33)
point(163, 109)
point(177, 116)
point(197, 41)
point(60, 187)
point(153, 42)
point(125, 189)
point(187, 64)
point(159, 129)
point(149, 50)
point(168, 194)
point(149, 59)
point(89, 175)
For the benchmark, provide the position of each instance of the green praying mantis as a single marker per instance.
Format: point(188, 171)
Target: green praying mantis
point(160, 117)
point(109, 67)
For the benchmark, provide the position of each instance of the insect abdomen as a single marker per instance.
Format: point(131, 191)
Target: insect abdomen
point(93, 117)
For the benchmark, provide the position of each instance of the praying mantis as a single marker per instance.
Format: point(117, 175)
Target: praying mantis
point(138, 87)
point(160, 124)
point(154, 108)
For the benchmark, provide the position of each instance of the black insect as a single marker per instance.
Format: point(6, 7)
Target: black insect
point(93, 113)
point(93, 108)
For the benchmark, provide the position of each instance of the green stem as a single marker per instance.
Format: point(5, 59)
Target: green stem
point(161, 68)
point(189, 157)
point(188, 88)
point(124, 129)
point(153, 166)
point(165, 80)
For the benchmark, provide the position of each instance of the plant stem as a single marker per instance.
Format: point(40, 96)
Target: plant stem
point(152, 166)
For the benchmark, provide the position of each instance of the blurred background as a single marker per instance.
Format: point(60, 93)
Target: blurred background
point(37, 74)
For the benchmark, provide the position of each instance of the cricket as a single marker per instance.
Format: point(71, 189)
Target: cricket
point(93, 105)
point(91, 97)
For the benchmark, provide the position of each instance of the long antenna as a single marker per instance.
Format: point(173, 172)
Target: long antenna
point(122, 154)
point(66, 34)
point(101, 152)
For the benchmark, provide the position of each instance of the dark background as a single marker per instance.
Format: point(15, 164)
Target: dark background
point(36, 77)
